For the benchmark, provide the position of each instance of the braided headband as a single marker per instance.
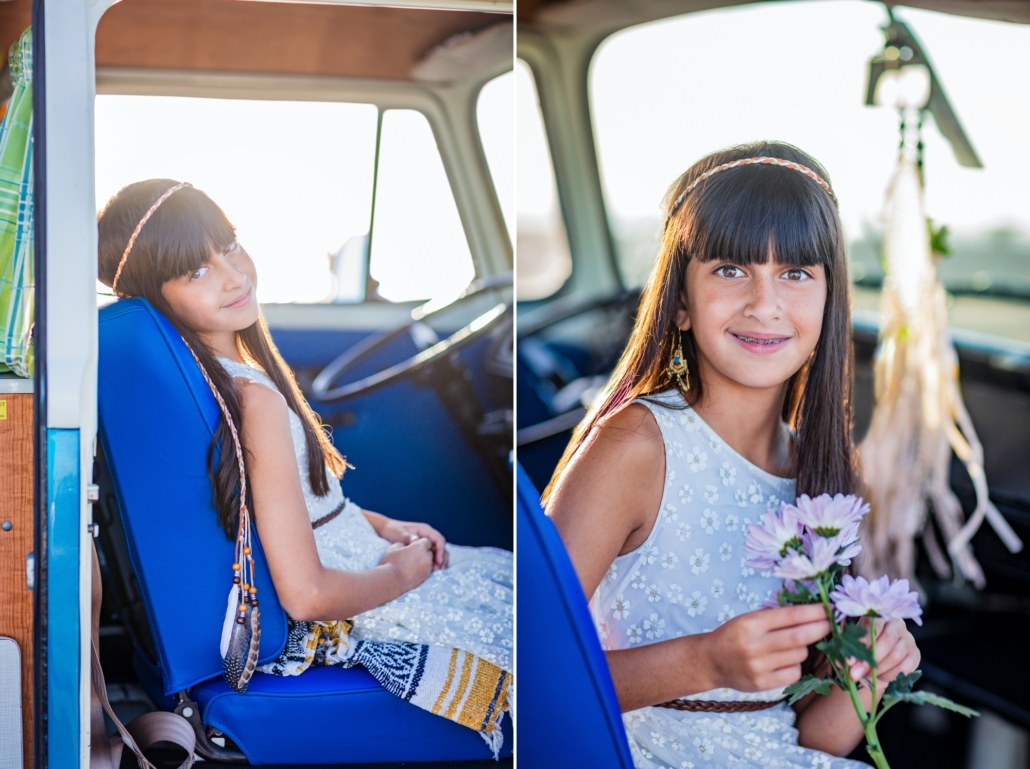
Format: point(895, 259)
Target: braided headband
point(751, 161)
point(135, 233)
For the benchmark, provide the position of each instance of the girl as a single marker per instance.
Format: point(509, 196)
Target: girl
point(418, 607)
point(733, 394)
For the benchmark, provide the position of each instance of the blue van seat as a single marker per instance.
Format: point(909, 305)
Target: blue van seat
point(569, 714)
point(157, 418)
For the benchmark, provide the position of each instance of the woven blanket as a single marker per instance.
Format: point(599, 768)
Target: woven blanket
point(447, 682)
point(17, 310)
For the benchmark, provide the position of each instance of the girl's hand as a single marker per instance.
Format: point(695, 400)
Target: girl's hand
point(406, 532)
point(896, 652)
point(413, 562)
point(764, 649)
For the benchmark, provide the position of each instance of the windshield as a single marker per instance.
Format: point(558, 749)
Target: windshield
point(667, 93)
point(298, 181)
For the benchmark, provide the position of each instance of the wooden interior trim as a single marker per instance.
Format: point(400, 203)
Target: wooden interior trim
point(16, 467)
point(15, 18)
point(277, 37)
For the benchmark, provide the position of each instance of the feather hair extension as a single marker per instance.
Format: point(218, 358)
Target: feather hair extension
point(237, 657)
point(255, 643)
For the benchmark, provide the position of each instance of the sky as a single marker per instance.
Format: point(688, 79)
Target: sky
point(665, 94)
point(296, 180)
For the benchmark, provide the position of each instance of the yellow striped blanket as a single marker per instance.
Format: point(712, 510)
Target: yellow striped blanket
point(447, 682)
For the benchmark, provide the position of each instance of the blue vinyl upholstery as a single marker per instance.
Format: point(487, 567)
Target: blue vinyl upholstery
point(569, 714)
point(332, 715)
point(157, 417)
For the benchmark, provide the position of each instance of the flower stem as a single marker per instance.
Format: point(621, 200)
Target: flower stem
point(843, 675)
point(872, 669)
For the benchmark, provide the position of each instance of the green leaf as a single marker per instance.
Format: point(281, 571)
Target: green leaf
point(847, 643)
point(926, 698)
point(902, 684)
point(806, 686)
point(801, 595)
point(938, 239)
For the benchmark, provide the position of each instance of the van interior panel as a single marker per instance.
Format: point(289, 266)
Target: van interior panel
point(281, 38)
point(16, 539)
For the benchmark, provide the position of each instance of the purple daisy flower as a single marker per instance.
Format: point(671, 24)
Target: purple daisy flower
point(819, 555)
point(828, 516)
point(857, 597)
point(847, 545)
point(767, 541)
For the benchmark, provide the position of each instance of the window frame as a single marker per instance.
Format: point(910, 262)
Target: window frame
point(467, 172)
point(560, 74)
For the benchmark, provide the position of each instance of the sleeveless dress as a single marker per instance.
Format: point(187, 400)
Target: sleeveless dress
point(689, 576)
point(467, 607)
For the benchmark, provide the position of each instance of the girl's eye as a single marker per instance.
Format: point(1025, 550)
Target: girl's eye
point(797, 275)
point(729, 271)
point(199, 273)
point(231, 247)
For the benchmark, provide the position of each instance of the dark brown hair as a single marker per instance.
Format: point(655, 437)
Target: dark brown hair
point(177, 239)
point(739, 215)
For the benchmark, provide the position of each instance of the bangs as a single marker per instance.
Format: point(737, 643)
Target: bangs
point(177, 238)
point(182, 233)
point(743, 214)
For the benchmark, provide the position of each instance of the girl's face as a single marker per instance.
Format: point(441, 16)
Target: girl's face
point(220, 297)
point(754, 325)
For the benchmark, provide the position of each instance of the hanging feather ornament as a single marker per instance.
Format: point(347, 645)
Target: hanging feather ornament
point(241, 629)
point(919, 418)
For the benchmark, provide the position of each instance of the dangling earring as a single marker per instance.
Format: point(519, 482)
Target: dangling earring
point(677, 367)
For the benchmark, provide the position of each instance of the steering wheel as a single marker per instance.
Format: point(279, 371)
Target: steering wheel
point(322, 387)
point(548, 367)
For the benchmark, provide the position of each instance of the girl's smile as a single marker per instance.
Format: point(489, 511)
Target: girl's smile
point(243, 301)
point(760, 344)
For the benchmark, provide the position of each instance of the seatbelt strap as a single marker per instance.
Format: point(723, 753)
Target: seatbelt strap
point(145, 730)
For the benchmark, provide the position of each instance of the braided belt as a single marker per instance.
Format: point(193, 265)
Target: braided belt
point(329, 516)
point(712, 706)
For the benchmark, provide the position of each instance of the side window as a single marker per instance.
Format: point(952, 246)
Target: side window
point(418, 245)
point(544, 259)
point(297, 183)
point(495, 117)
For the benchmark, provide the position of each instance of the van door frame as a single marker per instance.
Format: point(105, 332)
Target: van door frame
point(66, 338)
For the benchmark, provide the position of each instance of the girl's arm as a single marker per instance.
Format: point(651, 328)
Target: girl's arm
point(307, 590)
point(829, 723)
point(605, 504)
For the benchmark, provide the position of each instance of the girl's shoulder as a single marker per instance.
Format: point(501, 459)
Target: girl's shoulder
point(254, 386)
point(628, 442)
point(634, 419)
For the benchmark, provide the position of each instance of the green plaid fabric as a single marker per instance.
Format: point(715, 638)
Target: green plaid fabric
point(17, 273)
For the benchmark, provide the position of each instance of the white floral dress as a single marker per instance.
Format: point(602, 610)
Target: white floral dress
point(468, 605)
point(689, 576)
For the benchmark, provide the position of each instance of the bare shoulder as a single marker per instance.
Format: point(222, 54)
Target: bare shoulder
point(631, 438)
point(255, 395)
point(264, 407)
point(623, 458)
point(634, 424)
point(608, 497)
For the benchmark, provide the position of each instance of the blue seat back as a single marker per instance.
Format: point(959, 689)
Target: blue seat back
point(157, 419)
point(568, 711)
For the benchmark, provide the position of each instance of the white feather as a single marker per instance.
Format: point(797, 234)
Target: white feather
point(230, 619)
